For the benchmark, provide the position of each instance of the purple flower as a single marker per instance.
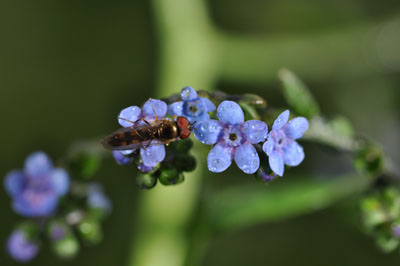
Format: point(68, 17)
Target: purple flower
point(233, 139)
point(153, 154)
point(97, 199)
point(20, 248)
point(192, 106)
point(281, 145)
point(35, 190)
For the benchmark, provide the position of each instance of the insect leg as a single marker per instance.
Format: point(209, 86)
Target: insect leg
point(148, 144)
point(140, 119)
point(154, 110)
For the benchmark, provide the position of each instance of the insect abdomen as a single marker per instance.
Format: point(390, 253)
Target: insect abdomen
point(126, 138)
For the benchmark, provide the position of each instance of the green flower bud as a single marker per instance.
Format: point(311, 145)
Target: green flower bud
point(66, 247)
point(185, 162)
point(171, 177)
point(370, 160)
point(182, 146)
point(90, 231)
point(146, 181)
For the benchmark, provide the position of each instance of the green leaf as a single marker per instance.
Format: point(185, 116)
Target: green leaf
point(297, 95)
point(240, 207)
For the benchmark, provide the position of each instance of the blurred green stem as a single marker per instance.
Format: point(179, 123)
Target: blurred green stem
point(186, 59)
point(257, 59)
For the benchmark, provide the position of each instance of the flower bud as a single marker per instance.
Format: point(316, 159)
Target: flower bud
point(146, 181)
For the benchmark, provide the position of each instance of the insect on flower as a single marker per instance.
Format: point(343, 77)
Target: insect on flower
point(142, 135)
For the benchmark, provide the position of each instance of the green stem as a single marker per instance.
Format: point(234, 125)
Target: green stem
point(316, 56)
point(186, 59)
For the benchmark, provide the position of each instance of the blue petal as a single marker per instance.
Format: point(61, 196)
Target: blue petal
point(37, 164)
point(127, 152)
point(296, 127)
point(208, 105)
point(276, 163)
point(247, 159)
point(175, 109)
point(281, 120)
point(144, 169)
point(188, 94)
point(120, 158)
point(160, 108)
point(60, 179)
point(20, 248)
point(203, 117)
point(293, 154)
point(255, 131)
point(268, 146)
point(219, 158)
point(208, 131)
point(37, 206)
point(131, 113)
point(152, 155)
point(230, 112)
point(14, 182)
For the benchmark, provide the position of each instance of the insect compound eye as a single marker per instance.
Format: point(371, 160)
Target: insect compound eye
point(185, 133)
point(183, 122)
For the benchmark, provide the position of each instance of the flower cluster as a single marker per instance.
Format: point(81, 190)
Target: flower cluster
point(233, 138)
point(380, 210)
point(36, 192)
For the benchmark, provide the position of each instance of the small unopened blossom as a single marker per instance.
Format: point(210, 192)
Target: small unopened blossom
point(35, 191)
point(192, 106)
point(233, 139)
point(20, 248)
point(281, 146)
point(153, 154)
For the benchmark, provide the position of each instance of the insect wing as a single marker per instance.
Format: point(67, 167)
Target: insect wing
point(134, 137)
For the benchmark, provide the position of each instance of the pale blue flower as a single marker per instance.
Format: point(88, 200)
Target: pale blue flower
point(281, 146)
point(35, 190)
point(193, 107)
point(153, 154)
point(233, 139)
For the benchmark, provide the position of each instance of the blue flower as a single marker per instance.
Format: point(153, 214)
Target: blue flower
point(192, 106)
point(233, 139)
point(97, 199)
point(35, 190)
point(20, 248)
point(281, 146)
point(153, 154)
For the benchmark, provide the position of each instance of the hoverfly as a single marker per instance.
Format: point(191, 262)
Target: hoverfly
point(159, 131)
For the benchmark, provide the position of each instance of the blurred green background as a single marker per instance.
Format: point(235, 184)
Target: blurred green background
point(68, 67)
